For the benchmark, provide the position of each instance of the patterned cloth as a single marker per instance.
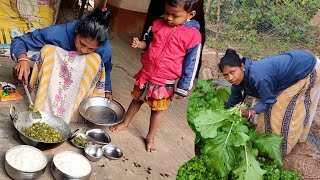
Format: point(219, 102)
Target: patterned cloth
point(62, 79)
point(154, 104)
point(158, 97)
point(292, 115)
point(153, 91)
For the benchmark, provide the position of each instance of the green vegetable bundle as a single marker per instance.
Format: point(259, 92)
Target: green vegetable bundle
point(228, 143)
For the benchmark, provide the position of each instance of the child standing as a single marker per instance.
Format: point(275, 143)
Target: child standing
point(172, 50)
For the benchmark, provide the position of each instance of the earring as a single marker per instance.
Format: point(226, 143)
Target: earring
point(243, 69)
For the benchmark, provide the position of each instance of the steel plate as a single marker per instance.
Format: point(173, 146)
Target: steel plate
point(98, 111)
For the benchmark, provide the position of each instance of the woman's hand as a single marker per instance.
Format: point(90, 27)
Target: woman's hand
point(108, 95)
point(247, 113)
point(23, 70)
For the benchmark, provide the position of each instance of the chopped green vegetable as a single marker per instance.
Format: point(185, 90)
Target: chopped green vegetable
point(80, 141)
point(42, 132)
point(32, 109)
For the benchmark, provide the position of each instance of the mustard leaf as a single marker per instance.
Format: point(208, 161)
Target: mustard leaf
point(271, 145)
point(249, 167)
point(219, 153)
point(208, 122)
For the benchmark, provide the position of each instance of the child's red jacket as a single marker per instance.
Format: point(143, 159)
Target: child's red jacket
point(172, 53)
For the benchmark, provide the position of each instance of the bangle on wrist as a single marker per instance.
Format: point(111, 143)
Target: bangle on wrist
point(23, 59)
point(249, 114)
point(108, 92)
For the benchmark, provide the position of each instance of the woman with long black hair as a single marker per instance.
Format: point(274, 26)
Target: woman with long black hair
point(74, 63)
point(287, 86)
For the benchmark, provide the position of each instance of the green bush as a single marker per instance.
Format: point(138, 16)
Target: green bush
point(246, 22)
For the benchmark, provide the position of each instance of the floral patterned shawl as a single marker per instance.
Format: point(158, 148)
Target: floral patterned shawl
point(62, 79)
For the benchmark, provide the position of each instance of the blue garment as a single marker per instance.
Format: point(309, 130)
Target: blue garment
point(63, 36)
point(266, 78)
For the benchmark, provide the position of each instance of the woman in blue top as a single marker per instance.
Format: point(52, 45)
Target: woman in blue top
point(74, 63)
point(86, 35)
point(287, 86)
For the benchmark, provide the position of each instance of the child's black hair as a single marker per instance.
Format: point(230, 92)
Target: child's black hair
point(232, 59)
point(95, 25)
point(189, 5)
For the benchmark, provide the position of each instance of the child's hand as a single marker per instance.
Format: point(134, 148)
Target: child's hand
point(178, 96)
point(135, 42)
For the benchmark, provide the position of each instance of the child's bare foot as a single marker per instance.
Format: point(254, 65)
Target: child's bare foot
point(118, 127)
point(150, 146)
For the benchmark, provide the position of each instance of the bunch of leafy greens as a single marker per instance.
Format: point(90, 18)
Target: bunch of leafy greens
point(274, 173)
point(195, 169)
point(228, 143)
point(205, 97)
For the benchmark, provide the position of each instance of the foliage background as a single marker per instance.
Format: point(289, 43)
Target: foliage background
point(260, 28)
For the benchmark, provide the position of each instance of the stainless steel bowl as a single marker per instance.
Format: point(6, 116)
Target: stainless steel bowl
point(27, 168)
point(85, 137)
point(99, 136)
point(70, 165)
point(93, 153)
point(100, 112)
point(112, 152)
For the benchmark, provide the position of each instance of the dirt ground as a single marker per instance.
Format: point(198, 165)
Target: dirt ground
point(305, 157)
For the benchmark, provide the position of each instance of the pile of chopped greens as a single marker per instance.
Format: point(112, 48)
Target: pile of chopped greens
point(80, 141)
point(229, 146)
point(42, 132)
point(32, 109)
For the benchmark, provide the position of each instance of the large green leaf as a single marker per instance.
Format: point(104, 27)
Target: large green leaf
point(208, 122)
point(271, 145)
point(220, 155)
point(223, 93)
point(249, 168)
point(240, 139)
point(239, 136)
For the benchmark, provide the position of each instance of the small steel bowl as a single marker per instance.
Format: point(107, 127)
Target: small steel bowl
point(99, 136)
point(112, 151)
point(93, 153)
point(87, 138)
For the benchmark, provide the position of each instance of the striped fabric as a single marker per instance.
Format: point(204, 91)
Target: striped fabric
point(292, 115)
point(60, 80)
